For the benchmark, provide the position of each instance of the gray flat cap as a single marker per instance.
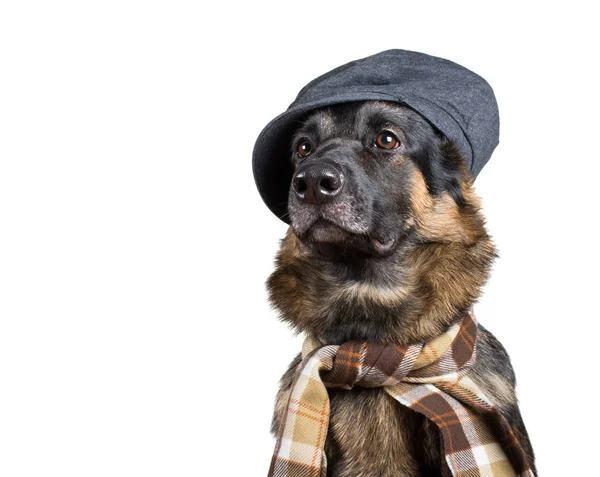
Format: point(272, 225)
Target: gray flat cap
point(453, 99)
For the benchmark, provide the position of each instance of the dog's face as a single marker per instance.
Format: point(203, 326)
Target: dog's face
point(386, 240)
point(361, 171)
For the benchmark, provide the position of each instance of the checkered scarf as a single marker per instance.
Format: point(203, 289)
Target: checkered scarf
point(430, 378)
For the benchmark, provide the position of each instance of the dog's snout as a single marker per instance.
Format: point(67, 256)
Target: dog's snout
point(317, 183)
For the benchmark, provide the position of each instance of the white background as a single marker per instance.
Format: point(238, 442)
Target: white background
point(135, 335)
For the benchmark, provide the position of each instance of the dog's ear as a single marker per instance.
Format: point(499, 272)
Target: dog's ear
point(444, 169)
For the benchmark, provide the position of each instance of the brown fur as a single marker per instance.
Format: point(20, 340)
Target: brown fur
point(435, 276)
point(425, 289)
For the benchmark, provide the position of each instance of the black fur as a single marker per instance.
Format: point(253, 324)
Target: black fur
point(332, 280)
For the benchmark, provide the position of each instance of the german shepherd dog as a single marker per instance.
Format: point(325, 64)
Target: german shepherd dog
point(387, 243)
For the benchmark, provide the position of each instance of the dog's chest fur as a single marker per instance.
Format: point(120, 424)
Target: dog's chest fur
point(371, 434)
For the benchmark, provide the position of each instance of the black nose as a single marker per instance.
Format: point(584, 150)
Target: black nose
point(317, 183)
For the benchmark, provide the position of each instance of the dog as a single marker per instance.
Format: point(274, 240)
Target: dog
point(387, 243)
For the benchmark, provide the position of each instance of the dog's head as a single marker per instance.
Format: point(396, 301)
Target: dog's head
point(383, 218)
point(365, 175)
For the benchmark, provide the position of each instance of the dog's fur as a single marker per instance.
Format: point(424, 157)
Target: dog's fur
point(333, 282)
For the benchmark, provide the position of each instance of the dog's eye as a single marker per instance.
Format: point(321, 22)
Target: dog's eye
point(387, 140)
point(304, 148)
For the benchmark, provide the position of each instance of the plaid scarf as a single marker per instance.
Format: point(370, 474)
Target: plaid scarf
point(429, 378)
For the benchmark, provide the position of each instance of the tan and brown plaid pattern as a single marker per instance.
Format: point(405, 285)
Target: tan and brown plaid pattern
point(430, 378)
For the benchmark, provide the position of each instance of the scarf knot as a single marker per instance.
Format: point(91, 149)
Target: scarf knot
point(445, 358)
point(368, 365)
